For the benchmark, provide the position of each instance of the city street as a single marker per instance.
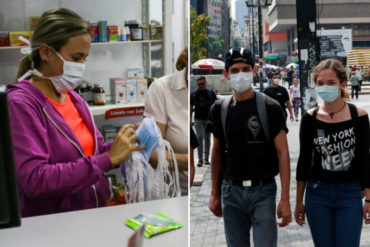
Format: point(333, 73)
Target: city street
point(207, 230)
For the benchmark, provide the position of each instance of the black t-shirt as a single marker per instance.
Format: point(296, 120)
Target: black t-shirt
point(202, 101)
point(290, 74)
point(248, 156)
point(280, 94)
point(334, 152)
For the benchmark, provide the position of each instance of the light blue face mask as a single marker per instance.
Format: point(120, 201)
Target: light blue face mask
point(327, 93)
point(149, 135)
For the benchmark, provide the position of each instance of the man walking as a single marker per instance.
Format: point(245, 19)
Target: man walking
point(200, 102)
point(290, 76)
point(280, 94)
point(249, 149)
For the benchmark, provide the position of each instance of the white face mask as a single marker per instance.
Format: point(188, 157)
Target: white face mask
point(276, 81)
point(69, 80)
point(241, 81)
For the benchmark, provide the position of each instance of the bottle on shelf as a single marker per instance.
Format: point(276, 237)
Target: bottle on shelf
point(98, 95)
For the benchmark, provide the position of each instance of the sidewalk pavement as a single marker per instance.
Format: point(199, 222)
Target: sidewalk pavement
point(208, 230)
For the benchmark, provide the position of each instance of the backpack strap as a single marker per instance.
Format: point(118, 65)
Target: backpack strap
point(224, 110)
point(262, 113)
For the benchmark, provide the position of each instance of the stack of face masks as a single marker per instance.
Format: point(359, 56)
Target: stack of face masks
point(141, 181)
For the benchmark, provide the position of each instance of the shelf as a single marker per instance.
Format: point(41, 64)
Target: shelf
point(95, 44)
point(101, 109)
point(125, 42)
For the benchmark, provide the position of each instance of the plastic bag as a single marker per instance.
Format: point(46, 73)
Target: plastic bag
point(141, 181)
point(156, 223)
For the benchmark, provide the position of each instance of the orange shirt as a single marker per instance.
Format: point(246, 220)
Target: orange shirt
point(76, 123)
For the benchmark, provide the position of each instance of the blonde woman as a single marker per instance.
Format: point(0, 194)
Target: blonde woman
point(60, 155)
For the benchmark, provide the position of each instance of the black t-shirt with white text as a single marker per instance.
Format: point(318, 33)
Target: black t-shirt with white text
point(249, 155)
point(334, 152)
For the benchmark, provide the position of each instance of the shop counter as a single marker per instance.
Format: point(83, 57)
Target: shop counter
point(98, 227)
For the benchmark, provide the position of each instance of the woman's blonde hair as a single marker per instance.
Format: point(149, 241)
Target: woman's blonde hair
point(55, 27)
point(338, 69)
point(180, 63)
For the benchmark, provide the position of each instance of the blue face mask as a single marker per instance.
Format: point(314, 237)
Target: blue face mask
point(328, 93)
point(149, 135)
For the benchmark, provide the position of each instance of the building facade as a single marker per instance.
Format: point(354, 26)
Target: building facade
point(331, 14)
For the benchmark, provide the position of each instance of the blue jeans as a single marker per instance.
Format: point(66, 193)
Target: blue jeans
point(204, 139)
point(246, 207)
point(334, 213)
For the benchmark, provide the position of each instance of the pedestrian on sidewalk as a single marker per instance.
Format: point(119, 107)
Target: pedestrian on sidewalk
point(200, 103)
point(355, 84)
point(295, 93)
point(290, 76)
point(249, 149)
point(334, 163)
point(280, 94)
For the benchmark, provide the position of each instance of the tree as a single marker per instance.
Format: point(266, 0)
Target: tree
point(198, 35)
point(215, 46)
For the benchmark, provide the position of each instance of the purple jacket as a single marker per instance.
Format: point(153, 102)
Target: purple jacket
point(53, 174)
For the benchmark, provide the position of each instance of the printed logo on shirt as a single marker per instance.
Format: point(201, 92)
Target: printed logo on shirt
point(337, 149)
point(254, 125)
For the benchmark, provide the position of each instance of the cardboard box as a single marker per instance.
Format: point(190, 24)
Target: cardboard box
point(134, 73)
point(14, 41)
point(118, 90)
point(142, 87)
point(112, 33)
point(103, 31)
point(131, 91)
point(4, 38)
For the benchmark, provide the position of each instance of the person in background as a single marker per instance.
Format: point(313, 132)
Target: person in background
point(200, 103)
point(360, 74)
point(167, 102)
point(290, 76)
point(280, 94)
point(193, 145)
point(334, 163)
point(60, 155)
point(283, 75)
point(295, 93)
point(355, 84)
point(269, 77)
point(245, 159)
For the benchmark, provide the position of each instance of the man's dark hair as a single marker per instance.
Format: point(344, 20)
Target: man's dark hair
point(201, 78)
point(245, 56)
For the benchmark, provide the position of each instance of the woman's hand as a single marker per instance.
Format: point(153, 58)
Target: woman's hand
point(299, 214)
point(123, 144)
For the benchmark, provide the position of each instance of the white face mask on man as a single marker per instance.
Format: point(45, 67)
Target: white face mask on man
point(276, 81)
point(241, 81)
point(69, 80)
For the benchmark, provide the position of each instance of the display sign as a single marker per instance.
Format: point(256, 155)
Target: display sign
point(124, 112)
point(335, 42)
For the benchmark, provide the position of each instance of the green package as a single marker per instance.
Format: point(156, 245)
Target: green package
point(156, 223)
